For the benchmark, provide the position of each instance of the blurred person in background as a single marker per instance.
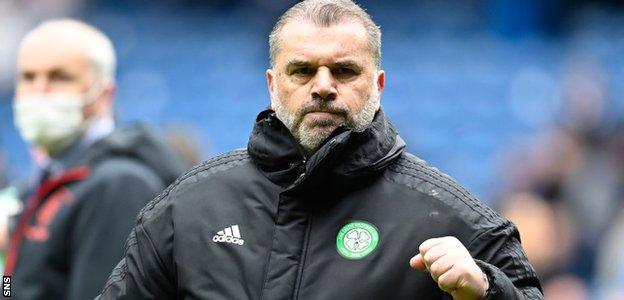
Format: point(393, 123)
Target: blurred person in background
point(610, 265)
point(324, 203)
point(96, 177)
point(548, 238)
point(567, 191)
point(609, 275)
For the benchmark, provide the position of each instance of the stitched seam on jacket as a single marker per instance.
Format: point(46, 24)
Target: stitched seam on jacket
point(268, 262)
point(507, 249)
point(518, 252)
point(531, 293)
point(120, 272)
point(521, 273)
point(513, 252)
point(469, 201)
point(224, 159)
point(436, 175)
point(304, 256)
point(527, 274)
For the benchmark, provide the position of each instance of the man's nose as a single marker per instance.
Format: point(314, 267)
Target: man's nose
point(40, 84)
point(324, 85)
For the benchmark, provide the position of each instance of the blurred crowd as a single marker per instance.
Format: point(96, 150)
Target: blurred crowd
point(564, 190)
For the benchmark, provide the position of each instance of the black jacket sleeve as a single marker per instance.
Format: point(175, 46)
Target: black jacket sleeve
point(499, 254)
point(141, 274)
point(103, 221)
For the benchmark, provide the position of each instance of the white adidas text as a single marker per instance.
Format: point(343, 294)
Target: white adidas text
point(229, 235)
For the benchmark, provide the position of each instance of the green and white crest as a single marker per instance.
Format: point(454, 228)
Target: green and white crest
point(357, 239)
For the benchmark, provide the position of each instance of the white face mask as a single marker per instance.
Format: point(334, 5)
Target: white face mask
point(50, 121)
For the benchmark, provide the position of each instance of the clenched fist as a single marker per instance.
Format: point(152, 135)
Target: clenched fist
point(452, 267)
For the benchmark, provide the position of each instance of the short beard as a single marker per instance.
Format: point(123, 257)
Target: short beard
point(309, 134)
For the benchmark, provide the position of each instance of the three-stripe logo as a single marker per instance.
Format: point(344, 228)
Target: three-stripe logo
point(229, 235)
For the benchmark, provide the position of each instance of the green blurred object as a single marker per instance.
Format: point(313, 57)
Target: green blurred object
point(9, 201)
point(8, 194)
point(9, 205)
point(2, 256)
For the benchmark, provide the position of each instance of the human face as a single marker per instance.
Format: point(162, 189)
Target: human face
point(324, 77)
point(51, 62)
point(47, 67)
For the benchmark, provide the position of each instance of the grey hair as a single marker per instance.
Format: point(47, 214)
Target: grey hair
point(325, 13)
point(98, 46)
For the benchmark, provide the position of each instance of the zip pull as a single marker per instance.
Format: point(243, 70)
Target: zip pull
point(303, 167)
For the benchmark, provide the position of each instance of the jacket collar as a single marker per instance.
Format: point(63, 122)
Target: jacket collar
point(344, 157)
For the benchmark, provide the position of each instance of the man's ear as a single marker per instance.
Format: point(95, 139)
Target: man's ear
point(381, 81)
point(270, 77)
point(102, 105)
point(108, 92)
point(109, 95)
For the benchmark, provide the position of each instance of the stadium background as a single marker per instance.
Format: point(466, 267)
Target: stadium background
point(489, 91)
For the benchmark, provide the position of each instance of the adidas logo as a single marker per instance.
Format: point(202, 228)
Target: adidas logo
point(229, 235)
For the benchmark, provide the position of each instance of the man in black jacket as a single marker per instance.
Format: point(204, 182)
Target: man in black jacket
point(71, 232)
point(324, 203)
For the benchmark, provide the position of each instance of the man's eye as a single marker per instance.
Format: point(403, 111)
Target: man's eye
point(344, 71)
point(60, 77)
point(303, 71)
point(27, 77)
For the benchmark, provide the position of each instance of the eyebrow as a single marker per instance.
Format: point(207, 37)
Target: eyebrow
point(26, 72)
point(298, 63)
point(52, 71)
point(347, 64)
point(60, 71)
point(340, 64)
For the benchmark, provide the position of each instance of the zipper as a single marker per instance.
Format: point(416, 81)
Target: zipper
point(302, 174)
point(304, 255)
point(303, 169)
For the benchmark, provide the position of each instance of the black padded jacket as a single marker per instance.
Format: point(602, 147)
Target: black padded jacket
point(269, 223)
